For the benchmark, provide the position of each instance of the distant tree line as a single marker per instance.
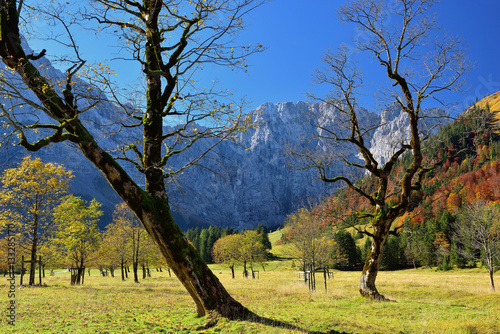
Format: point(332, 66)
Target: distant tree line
point(62, 230)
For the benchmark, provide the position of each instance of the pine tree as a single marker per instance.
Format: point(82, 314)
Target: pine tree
point(264, 233)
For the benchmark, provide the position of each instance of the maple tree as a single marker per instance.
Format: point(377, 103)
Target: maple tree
point(417, 67)
point(226, 251)
point(308, 241)
point(171, 41)
point(76, 233)
point(133, 234)
point(113, 251)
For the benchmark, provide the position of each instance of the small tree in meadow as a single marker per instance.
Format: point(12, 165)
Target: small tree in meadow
point(477, 232)
point(77, 233)
point(304, 238)
point(226, 251)
point(133, 232)
point(252, 251)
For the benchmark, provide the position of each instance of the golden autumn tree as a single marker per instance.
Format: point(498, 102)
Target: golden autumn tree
point(113, 251)
point(77, 233)
point(442, 247)
point(252, 251)
point(227, 251)
point(454, 202)
point(126, 224)
point(310, 242)
point(29, 194)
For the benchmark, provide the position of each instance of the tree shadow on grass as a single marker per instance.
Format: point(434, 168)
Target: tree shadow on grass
point(252, 317)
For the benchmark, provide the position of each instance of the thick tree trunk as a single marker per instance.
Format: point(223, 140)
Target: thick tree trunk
point(81, 270)
point(82, 275)
point(232, 271)
point(123, 270)
point(151, 205)
point(32, 267)
point(203, 286)
point(367, 286)
point(324, 278)
point(245, 271)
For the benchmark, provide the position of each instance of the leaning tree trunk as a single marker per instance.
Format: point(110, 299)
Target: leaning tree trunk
point(153, 210)
point(367, 286)
point(150, 205)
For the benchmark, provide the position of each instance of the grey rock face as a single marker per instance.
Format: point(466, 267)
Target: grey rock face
point(263, 186)
point(394, 130)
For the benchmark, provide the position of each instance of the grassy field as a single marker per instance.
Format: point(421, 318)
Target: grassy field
point(427, 302)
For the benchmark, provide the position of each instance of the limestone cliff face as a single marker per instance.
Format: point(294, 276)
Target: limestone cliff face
point(394, 130)
point(263, 184)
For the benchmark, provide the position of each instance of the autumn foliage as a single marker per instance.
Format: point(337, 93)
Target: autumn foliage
point(471, 173)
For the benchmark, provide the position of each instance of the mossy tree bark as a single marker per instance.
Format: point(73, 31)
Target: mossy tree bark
point(367, 286)
point(150, 205)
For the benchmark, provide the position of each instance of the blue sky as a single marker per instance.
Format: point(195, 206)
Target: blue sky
point(297, 33)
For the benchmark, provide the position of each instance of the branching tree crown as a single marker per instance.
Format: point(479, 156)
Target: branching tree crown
point(77, 234)
point(419, 62)
point(309, 242)
point(171, 40)
point(477, 232)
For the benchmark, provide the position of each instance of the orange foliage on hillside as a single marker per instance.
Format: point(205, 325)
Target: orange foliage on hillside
point(450, 190)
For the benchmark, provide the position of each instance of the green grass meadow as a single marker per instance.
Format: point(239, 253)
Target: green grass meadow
point(427, 301)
